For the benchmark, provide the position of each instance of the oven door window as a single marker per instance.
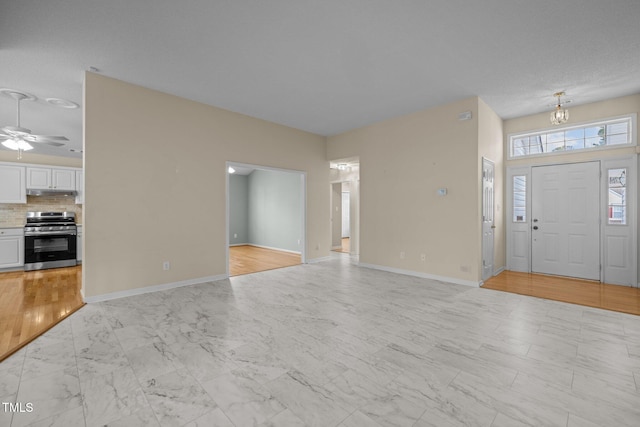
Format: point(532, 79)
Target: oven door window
point(49, 248)
point(50, 244)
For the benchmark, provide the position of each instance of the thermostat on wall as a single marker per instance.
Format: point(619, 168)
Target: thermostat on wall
point(442, 191)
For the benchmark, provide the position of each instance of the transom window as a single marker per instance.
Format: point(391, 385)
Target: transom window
point(606, 133)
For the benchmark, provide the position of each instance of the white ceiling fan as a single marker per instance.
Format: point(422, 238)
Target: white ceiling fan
point(19, 138)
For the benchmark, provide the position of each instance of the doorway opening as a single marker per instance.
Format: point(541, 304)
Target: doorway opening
point(345, 200)
point(341, 235)
point(266, 226)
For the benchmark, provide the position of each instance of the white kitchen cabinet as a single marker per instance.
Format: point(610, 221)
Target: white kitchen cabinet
point(79, 244)
point(11, 247)
point(80, 187)
point(63, 179)
point(12, 184)
point(51, 179)
point(39, 178)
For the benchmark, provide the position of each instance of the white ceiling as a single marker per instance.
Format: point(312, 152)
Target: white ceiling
point(321, 66)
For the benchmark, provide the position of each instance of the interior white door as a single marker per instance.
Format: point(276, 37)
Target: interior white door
point(565, 230)
point(345, 215)
point(488, 227)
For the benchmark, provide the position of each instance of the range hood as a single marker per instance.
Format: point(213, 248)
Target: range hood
point(51, 192)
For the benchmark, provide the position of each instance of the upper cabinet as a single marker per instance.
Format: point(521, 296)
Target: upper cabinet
point(12, 184)
point(16, 179)
point(51, 178)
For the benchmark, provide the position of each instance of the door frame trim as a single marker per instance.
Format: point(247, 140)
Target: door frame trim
point(303, 201)
point(482, 243)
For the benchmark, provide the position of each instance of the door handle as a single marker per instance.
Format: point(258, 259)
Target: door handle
point(535, 227)
point(535, 220)
point(493, 226)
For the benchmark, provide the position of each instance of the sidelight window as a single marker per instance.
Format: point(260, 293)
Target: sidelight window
point(520, 198)
point(617, 196)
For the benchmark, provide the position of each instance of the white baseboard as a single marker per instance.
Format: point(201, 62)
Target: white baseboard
point(239, 244)
point(421, 275)
point(272, 248)
point(154, 288)
point(498, 271)
point(321, 259)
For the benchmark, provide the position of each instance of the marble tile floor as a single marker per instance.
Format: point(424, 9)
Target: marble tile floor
point(328, 344)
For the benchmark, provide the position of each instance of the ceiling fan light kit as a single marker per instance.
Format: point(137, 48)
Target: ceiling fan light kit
point(17, 144)
point(18, 138)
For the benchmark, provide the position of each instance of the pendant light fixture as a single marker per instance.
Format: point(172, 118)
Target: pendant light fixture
point(559, 115)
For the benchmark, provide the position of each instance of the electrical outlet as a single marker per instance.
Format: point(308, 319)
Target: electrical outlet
point(402, 255)
point(298, 242)
point(235, 235)
point(465, 268)
point(166, 265)
point(423, 257)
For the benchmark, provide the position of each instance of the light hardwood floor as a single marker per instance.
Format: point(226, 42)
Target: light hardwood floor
point(33, 302)
point(247, 259)
point(583, 292)
point(346, 247)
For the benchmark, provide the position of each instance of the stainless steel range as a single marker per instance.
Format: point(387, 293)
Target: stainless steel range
point(49, 240)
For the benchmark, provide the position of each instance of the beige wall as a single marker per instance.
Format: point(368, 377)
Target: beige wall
point(155, 183)
point(403, 161)
point(490, 146)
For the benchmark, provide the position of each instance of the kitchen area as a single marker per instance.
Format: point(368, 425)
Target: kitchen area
point(30, 197)
point(40, 249)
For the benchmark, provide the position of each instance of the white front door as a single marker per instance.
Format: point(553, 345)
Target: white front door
point(565, 230)
point(487, 217)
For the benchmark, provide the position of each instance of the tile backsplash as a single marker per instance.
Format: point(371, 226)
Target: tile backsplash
point(14, 214)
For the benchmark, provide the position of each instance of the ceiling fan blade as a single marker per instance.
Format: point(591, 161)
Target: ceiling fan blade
point(15, 131)
point(19, 133)
point(56, 141)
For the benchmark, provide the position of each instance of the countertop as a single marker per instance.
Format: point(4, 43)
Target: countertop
point(12, 225)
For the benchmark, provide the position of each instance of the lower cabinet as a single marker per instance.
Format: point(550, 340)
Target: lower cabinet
point(11, 247)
